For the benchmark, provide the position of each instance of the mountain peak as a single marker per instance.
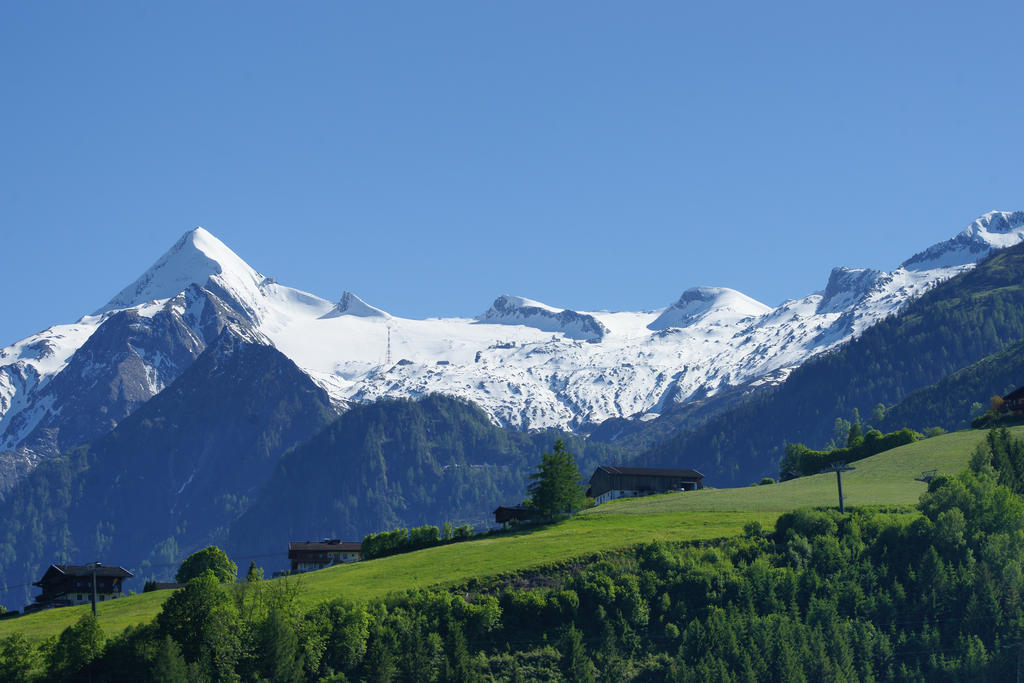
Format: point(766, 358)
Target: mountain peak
point(847, 286)
point(195, 258)
point(350, 304)
point(714, 305)
point(517, 310)
point(993, 230)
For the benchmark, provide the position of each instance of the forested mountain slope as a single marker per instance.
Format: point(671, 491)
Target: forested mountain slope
point(958, 323)
point(952, 402)
point(397, 463)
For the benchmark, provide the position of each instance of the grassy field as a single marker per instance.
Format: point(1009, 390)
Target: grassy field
point(884, 479)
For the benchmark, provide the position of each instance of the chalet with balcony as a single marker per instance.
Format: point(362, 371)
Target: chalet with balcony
point(72, 584)
point(307, 556)
point(609, 482)
point(1014, 401)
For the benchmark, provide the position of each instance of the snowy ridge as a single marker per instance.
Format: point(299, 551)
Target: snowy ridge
point(994, 230)
point(515, 310)
point(711, 305)
point(528, 364)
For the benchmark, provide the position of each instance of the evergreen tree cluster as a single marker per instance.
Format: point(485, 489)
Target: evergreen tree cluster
point(1005, 455)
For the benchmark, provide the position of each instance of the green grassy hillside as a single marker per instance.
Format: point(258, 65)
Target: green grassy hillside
point(884, 479)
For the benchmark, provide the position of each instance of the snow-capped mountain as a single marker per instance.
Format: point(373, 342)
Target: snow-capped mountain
point(528, 364)
point(711, 306)
point(994, 230)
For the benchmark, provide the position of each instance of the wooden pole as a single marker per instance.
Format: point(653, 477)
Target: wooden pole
point(839, 468)
point(94, 565)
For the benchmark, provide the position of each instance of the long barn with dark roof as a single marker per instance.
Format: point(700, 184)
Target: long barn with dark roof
point(609, 482)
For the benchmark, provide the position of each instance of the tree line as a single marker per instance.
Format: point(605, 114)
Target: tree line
point(800, 460)
point(406, 540)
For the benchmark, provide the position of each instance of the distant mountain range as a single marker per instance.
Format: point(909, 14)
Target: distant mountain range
point(206, 403)
point(528, 365)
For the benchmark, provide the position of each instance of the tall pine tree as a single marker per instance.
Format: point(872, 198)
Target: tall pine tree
point(555, 486)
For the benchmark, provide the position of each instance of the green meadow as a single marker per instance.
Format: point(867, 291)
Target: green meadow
point(886, 479)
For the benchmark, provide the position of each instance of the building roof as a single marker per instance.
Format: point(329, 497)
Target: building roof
point(326, 545)
point(650, 472)
point(516, 508)
point(1015, 395)
point(165, 586)
point(102, 570)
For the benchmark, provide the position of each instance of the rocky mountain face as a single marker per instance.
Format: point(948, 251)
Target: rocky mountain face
point(130, 357)
point(528, 365)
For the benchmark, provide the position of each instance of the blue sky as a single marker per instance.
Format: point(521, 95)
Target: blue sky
point(432, 156)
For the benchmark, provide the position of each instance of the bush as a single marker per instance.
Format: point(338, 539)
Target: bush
point(210, 558)
point(406, 540)
point(801, 460)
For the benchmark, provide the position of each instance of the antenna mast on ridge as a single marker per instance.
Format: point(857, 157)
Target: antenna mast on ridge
point(387, 352)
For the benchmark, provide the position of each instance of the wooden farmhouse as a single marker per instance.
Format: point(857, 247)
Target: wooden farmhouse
point(307, 556)
point(609, 482)
point(511, 513)
point(1014, 401)
point(71, 584)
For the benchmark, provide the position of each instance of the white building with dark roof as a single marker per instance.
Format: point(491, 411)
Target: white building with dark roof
point(609, 482)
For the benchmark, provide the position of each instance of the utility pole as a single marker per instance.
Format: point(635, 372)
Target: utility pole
point(94, 566)
point(839, 468)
